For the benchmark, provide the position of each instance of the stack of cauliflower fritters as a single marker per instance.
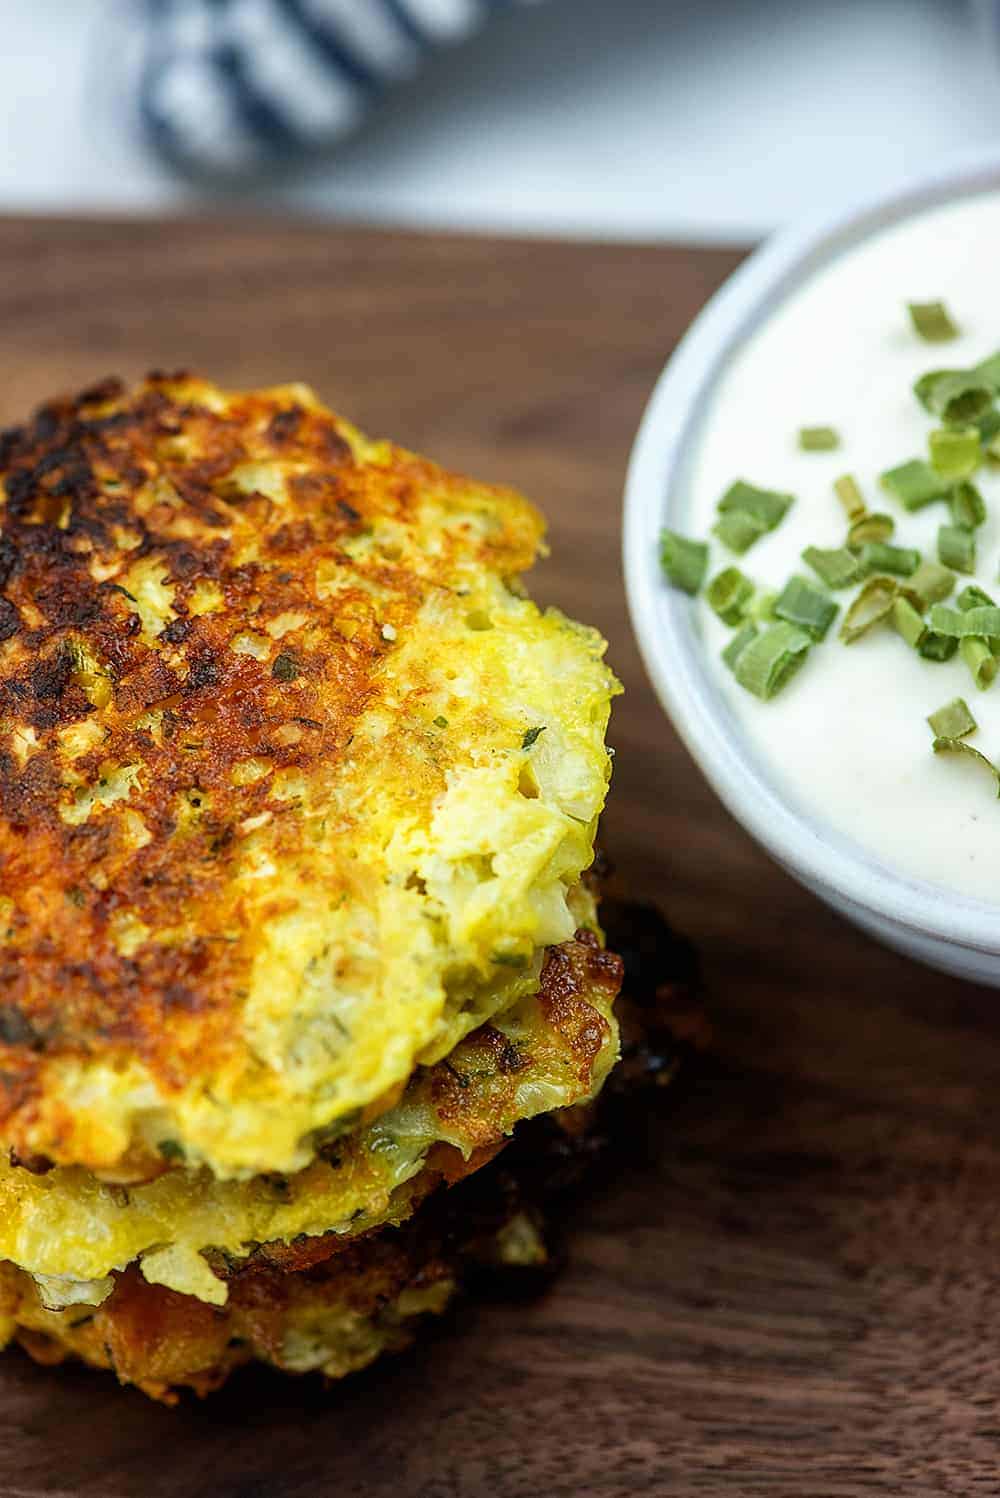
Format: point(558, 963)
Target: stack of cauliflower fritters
point(297, 788)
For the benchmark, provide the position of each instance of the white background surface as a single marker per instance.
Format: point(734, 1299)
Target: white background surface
point(716, 119)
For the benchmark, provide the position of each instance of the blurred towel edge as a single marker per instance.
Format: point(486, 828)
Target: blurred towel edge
point(231, 87)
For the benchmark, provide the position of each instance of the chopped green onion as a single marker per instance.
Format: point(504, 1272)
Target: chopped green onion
point(975, 605)
point(850, 496)
point(877, 556)
point(989, 370)
point(955, 451)
point(908, 621)
point(932, 321)
point(957, 548)
point(981, 661)
point(957, 396)
point(935, 647)
point(874, 527)
point(945, 745)
point(837, 567)
point(738, 644)
point(728, 594)
point(968, 508)
point(931, 583)
point(914, 484)
point(988, 427)
point(761, 607)
point(982, 621)
point(766, 504)
point(924, 388)
point(765, 665)
point(285, 667)
point(953, 721)
point(531, 736)
point(973, 597)
point(871, 606)
point(801, 603)
point(739, 531)
point(684, 562)
point(818, 439)
point(946, 621)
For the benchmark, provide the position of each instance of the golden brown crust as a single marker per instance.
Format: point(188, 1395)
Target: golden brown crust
point(159, 480)
point(576, 1030)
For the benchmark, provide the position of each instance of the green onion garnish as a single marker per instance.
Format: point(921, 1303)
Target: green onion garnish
point(935, 647)
point(769, 660)
point(728, 594)
point(989, 370)
point(739, 531)
point(953, 721)
point(924, 388)
point(684, 562)
point(968, 508)
point(801, 603)
point(976, 625)
point(988, 426)
point(878, 556)
point(908, 621)
point(837, 567)
point(946, 621)
point(850, 496)
point(945, 745)
point(932, 321)
point(874, 527)
point(872, 605)
point(741, 639)
point(982, 620)
point(818, 439)
point(746, 513)
point(931, 583)
point(957, 396)
point(981, 661)
point(761, 606)
point(767, 505)
point(973, 597)
point(957, 548)
point(955, 452)
point(914, 484)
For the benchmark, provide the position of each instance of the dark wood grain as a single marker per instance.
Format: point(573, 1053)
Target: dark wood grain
point(789, 1288)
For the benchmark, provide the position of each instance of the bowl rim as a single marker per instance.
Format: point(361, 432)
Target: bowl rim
point(662, 617)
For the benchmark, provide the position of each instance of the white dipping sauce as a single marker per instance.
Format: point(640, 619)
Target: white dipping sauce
point(847, 737)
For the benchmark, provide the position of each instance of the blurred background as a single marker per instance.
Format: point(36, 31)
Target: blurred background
point(707, 120)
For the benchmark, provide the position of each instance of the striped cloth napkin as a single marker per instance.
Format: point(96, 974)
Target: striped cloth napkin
point(230, 86)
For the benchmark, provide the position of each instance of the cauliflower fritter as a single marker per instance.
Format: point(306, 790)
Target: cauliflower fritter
point(298, 792)
point(295, 782)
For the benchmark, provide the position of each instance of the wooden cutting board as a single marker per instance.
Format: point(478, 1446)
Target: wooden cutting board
point(790, 1286)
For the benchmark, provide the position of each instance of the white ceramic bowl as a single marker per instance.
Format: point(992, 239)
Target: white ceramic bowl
point(950, 931)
